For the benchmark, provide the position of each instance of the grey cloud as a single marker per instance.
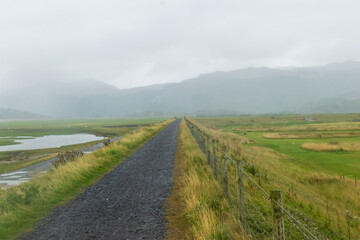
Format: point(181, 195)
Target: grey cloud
point(141, 42)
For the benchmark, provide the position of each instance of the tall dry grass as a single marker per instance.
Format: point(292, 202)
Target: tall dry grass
point(197, 208)
point(309, 135)
point(330, 202)
point(332, 147)
point(338, 126)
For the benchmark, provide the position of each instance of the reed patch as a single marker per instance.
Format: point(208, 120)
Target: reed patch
point(332, 147)
point(319, 135)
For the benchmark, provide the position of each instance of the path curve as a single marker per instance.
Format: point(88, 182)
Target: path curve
point(127, 203)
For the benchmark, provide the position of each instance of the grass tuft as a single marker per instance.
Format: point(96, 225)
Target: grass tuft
point(196, 208)
point(332, 147)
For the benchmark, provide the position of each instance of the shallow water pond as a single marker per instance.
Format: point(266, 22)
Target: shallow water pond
point(49, 141)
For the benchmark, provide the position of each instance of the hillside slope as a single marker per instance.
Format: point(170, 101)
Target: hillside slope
point(12, 114)
point(251, 90)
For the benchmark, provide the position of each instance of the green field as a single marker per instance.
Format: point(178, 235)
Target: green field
point(342, 163)
point(10, 130)
point(307, 158)
point(337, 162)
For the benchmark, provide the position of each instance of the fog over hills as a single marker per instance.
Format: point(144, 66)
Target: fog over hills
point(11, 114)
point(332, 88)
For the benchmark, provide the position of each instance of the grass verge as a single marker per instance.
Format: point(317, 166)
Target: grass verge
point(196, 208)
point(22, 206)
point(324, 203)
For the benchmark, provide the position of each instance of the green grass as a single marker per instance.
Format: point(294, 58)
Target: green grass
point(197, 208)
point(55, 127)
point(22, 206)
point(102, 127)
point(256, 121)
point(323, 198)
point(27, 158)
point(271, 171)
point(341, 163)
point(12, 166)
point(7, 141)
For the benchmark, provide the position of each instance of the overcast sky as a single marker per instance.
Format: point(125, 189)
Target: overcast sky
point(141, 42)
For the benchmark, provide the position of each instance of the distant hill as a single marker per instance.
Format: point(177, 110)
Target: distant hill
point(11, 114)
point(210, 113)
point(246, 91)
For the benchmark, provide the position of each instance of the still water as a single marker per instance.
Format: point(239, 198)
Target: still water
point(26, 174)
point(50, 141)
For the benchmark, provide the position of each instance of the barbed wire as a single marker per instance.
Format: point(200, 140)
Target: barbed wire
point(263, 192)
point(259, 212)
point(300, 230)
point(280, 205)
point(259, 228)
point(294, 219)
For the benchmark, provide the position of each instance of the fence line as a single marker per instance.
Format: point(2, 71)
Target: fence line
point(221, 174)
point(345, 215)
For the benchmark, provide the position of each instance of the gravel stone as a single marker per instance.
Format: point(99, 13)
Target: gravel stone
point(127, 203)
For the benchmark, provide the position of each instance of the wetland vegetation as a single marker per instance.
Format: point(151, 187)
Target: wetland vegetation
point(10, 131)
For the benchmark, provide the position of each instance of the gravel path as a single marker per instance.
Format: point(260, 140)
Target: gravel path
point(127, 203)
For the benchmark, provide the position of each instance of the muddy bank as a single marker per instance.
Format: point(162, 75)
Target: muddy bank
point(27, 173)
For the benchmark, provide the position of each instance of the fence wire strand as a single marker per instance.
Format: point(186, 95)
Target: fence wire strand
point(259, 212)
point(301, 228)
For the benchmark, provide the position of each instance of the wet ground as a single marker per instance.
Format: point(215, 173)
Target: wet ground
point(27, 173)
point(49, 141)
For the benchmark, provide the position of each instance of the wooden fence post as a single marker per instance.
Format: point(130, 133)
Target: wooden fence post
point(208, 151)
point(240, 192)
point(225, 178)
point(278, 219)
point(215, 161)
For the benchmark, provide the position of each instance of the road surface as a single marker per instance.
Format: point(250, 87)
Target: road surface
point(127, 203)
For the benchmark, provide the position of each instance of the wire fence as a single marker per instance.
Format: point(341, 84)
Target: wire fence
point(261, 212)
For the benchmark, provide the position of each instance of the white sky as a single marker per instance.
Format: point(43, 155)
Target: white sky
point(141, 42)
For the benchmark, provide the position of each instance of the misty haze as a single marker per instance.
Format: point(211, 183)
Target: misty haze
point(175, 120)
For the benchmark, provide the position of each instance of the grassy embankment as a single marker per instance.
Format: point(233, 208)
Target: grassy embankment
point(196, 207)
point(326, 203)
point(22, 206)
point(13, 160)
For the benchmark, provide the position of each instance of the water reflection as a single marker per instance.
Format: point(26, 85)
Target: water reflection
point(50, 141)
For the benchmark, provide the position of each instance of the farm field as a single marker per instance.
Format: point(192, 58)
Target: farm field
point(12, 130)
point(313, 160)
point(290, 135)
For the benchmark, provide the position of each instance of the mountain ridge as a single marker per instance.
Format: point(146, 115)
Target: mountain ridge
point(260, 90)
point(13, 114)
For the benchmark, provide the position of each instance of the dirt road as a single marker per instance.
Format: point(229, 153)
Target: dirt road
point(127, 203)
